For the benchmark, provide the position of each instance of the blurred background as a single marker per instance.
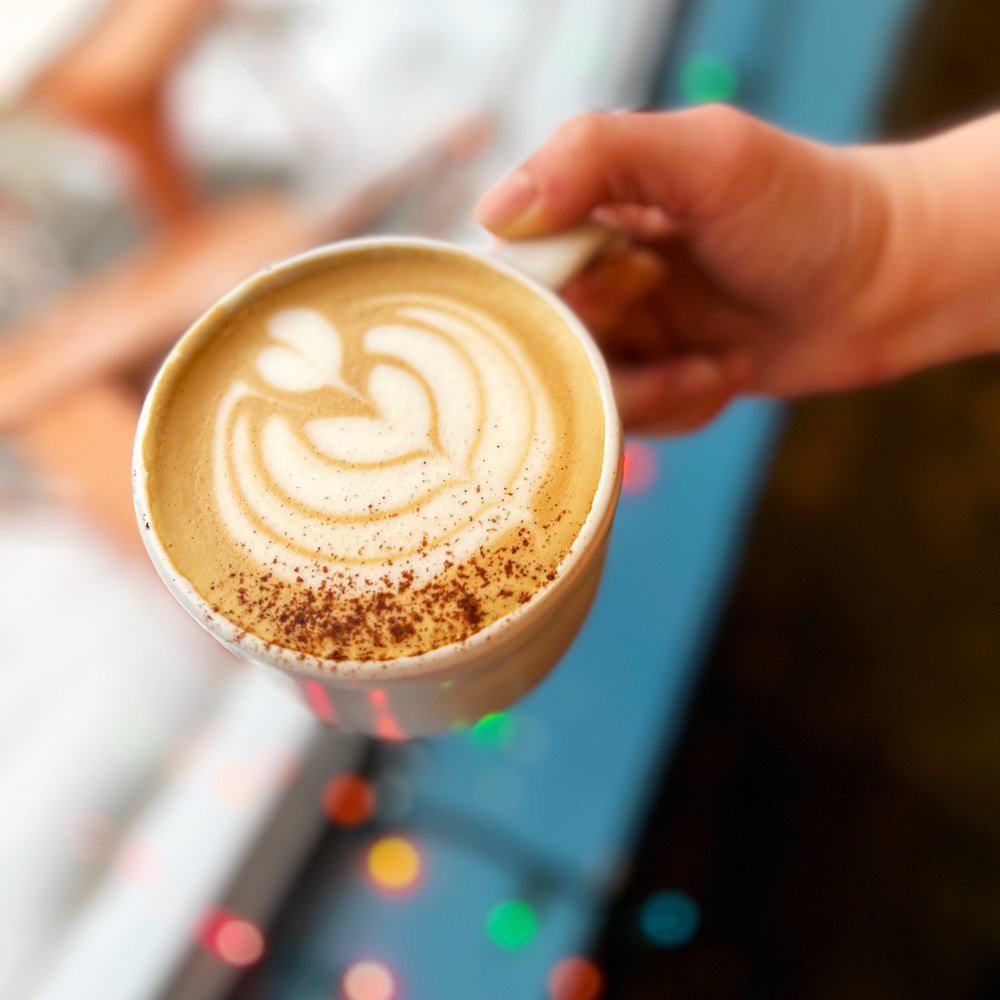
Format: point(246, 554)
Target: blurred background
point(769, 767)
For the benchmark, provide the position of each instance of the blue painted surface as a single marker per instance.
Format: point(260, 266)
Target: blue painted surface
point(551, 818)
point(817, 67)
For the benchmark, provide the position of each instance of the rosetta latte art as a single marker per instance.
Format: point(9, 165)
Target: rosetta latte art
point(457, 438)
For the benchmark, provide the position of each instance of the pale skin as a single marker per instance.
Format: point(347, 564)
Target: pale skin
point(763, 263)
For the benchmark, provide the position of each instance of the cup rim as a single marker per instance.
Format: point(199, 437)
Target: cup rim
point(441, 658)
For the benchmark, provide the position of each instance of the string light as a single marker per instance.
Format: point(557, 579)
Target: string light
point(707, 78)
point(669, 919)
point(575, 979)
point(394, 864)
point(348, 800)
point(232, 939)
point(495, 731)
point(319, 702)
point(386, 727)
point(511, 924)
point(638, 467)
point(368, 981)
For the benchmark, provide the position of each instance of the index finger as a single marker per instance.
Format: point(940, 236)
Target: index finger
point(688, 163)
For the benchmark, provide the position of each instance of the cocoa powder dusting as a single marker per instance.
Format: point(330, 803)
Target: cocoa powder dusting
point(335, 621)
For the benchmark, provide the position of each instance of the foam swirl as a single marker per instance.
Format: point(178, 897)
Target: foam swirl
point(454, 437)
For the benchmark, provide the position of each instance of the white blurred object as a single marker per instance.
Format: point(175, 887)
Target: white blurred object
point(33, 35)
point(101, 675)
point(184, 850)
point(553, 260)
point(326, 92)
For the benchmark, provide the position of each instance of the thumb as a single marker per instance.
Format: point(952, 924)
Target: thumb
point(690, 163)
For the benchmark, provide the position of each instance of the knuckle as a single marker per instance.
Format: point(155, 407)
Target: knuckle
point(732, 145)
point(723, 119)
point(583, 132)
point(733, 133)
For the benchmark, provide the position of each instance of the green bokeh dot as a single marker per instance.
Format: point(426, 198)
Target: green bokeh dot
point(707, 78)
point(511, 924)
point(495, 731)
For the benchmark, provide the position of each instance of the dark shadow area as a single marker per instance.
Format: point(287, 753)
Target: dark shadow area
point(834, 806)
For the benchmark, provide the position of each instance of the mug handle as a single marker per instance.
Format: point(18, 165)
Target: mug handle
point(553, 260)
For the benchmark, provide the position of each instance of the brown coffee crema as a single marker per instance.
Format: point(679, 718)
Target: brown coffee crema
point(380, 454)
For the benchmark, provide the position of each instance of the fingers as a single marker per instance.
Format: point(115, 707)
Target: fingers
point(675, 395)
point(641, 305)
point(685, 163)
point(607, 291)
point(641, 223)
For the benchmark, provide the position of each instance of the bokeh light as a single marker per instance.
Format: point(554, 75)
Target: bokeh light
point(669, 919)
point(511, 924)
point(495, 731)
point(238, 785)
point(348, 800)
point(231, 938)
point(319, 702)
point(706, 78)
point(368, 981)
point(140, 863)
point(575, 978)
point(638, 467)
point(394, 864)
point(239, 943)
point(386, 727)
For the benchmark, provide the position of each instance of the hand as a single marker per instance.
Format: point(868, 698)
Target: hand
point(764, 263)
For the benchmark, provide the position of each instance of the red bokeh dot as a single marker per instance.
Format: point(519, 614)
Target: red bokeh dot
point(239, 943)
point(231, 938)
point(638, 467)
point(348, 800)
point(575, 979)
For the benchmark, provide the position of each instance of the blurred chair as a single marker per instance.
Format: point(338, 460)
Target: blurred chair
point(112, 82)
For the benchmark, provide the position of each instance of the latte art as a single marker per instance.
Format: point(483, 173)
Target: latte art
point(458, 441)
point(375, 457)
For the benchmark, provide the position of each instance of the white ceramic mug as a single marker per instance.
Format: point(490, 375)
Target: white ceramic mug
point(455, 685)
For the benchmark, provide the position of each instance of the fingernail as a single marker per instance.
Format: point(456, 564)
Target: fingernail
point(511, 208)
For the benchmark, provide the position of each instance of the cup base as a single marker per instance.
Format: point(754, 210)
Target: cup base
point(405, 708)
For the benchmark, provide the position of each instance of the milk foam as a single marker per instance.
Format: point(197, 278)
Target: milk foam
point(459, 438)
point(376, 455)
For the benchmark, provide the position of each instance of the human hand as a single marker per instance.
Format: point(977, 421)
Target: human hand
point(761, 262)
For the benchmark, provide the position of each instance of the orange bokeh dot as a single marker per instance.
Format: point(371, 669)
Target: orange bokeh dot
point(348, 800)
point(239, 943)
point(575, 979)
point(368, 981)
point(394, 863)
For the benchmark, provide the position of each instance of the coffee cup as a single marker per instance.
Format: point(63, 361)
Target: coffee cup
point(409, 660)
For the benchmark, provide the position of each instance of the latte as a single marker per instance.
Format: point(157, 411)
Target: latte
point(376, 455)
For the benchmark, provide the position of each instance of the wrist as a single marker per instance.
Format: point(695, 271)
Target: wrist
point(937, 280)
